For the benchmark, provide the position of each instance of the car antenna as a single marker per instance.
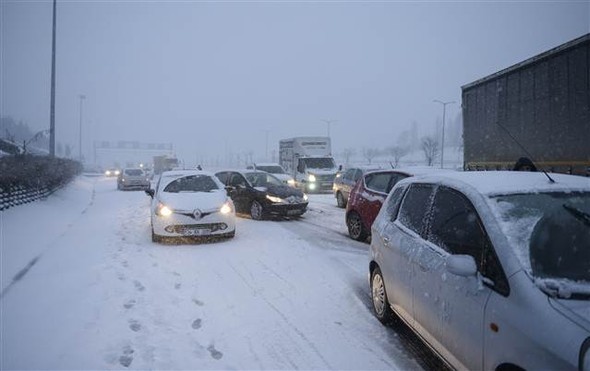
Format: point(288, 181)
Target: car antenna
point(525, 151)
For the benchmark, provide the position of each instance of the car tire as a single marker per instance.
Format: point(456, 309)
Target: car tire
point(381, 305)
point(155, 237)
point(356, 230)
point(256, 210)
point(340, 200)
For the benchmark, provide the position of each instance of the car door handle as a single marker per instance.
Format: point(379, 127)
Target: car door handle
point(385, 241)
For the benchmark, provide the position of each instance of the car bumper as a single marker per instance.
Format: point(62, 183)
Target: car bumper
point(177, 225)
point(143, 185)
point(285, 209)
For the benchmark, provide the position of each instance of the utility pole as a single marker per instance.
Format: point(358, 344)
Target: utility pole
point(442, 147)
point(52, 104)
point(329, 122)
point(82, 97)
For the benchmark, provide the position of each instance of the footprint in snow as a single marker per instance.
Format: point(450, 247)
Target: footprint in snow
point(197, 324)
point(198, 302)
point(127, 357)
point(177, 286)
point(129, 304)
point(134, 325)
point(138, 285)
point(214, 352)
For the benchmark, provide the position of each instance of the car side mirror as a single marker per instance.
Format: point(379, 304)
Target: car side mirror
point(150, 192)
point(461, 265)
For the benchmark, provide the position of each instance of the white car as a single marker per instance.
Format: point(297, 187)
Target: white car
point(191, 203)
point(491, 269)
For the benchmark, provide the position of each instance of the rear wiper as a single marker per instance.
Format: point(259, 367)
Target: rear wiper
point(578, 214)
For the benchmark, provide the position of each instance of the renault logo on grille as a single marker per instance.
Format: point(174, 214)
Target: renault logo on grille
point(197, 214)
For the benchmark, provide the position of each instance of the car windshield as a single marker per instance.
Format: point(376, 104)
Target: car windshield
point(134, 172)
point(549, 231)
point(193, 183)
point(319, 163)
point(271, 169)
point(259, 179)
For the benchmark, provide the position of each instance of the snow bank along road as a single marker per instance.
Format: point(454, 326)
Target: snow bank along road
point(83, 287)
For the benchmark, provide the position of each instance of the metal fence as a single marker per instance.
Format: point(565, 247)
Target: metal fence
point(17, 195)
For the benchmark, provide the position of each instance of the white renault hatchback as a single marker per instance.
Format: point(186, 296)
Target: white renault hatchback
point(190, 203)
point(491, 269)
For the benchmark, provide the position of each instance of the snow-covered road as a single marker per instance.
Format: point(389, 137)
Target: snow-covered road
point(83, 287)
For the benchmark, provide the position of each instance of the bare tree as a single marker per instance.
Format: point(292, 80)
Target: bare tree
point(347, 153)
point(396, 152)
point(370, 153)
point(430, 148)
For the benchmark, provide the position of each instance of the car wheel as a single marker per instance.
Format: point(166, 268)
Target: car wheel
point(381, 305)
point(256, 210)
point(155, 237)
point(356, 230)
point(340, 200)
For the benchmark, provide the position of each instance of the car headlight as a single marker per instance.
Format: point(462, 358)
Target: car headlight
point(117, 172)
point(107, 173)
point(123, 180)
point(226, 208)
point(163, 210)
point(305, 198)
point(274, 198)
point(311, 178)
point(291, 182)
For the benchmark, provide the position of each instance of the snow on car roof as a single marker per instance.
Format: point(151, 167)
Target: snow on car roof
point(413, 170)
point(492, 183)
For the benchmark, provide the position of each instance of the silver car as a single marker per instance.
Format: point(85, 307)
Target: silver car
point(133, 178)
point(490, 269)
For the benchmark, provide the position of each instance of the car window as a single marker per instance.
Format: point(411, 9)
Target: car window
point(457, 228)
point(348, 174)
point(222, 176)
point(455, 225)
point(193, 183)
point(378, 182)
point(358, 173)
point(134, 172)
point(237, 180)
point(414, 207)
point(259, 179)
point(394, 179)
point(393, 203)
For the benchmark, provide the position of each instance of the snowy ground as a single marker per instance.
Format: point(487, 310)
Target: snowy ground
point(83, 287)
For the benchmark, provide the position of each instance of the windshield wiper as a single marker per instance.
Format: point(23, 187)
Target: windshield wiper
point(578, 214)
point(564, 290)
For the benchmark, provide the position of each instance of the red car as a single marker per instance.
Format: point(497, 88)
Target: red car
point(368, 194)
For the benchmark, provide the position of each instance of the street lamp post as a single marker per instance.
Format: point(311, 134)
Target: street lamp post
point(329, 122)
point(442, 147)
point(82, 97)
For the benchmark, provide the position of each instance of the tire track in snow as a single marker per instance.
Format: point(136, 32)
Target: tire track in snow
point(284, 318)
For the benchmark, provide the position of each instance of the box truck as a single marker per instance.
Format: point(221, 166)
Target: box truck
point(309, 161)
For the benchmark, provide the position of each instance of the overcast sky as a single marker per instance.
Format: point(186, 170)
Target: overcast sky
point(212, 77)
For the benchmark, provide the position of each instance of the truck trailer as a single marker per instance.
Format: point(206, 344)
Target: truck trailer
point(539, 108)
point(309, 161)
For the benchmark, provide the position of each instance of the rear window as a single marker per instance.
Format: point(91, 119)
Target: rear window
point(134, 172)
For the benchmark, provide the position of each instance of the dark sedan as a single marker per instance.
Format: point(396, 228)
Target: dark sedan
point(262, 195)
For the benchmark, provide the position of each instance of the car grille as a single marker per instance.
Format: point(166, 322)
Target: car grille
point(182, 228)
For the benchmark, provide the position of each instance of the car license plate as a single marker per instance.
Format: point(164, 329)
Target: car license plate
point(196, 232)
point(293, 212)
